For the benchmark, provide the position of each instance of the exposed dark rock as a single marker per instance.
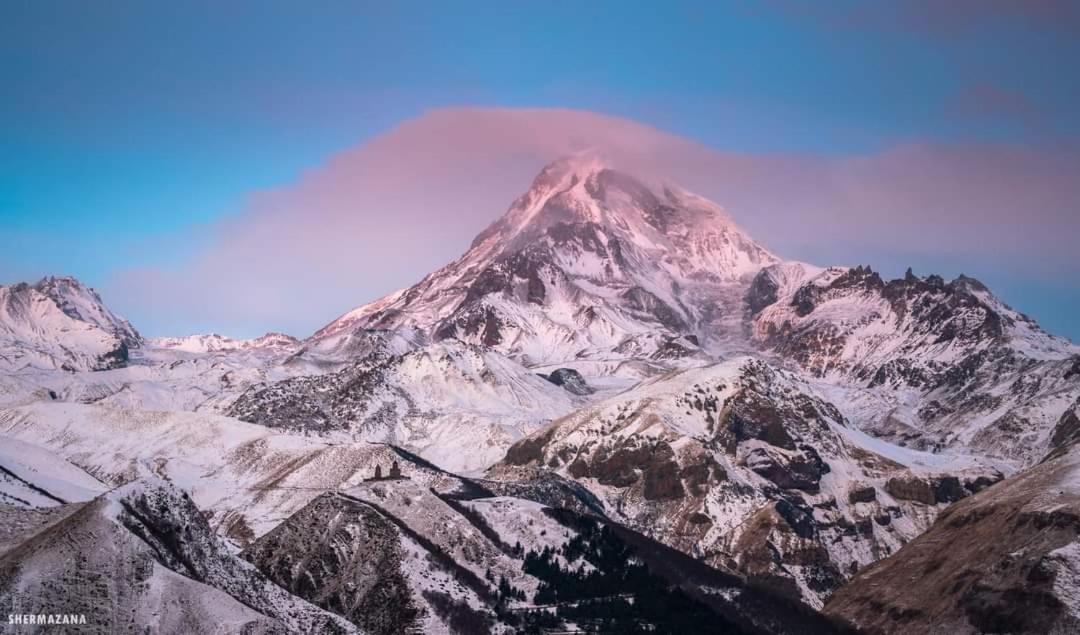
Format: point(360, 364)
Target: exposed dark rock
point(756, 413)
point(569, 379)
point(799, 471)
point(1074, 370)
point(676, 348)
point(1067, 430)
point(645, 302)
point(700, 474)
point(947, 489)
point(529, 450)
point(911, 488)
point(662, 479)
point(862, 494)
point(981, 482)
point(942, 489)
point(798, 517)
point(762, 292)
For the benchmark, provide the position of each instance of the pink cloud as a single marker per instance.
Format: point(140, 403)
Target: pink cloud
point(380, 216)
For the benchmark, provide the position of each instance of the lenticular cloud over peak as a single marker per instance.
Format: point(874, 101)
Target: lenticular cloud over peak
point(380, 216)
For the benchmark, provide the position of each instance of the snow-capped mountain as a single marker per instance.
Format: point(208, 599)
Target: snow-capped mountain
point(83, 303)
point(849, 323)
point(60, 324)
point(589, 263)
point(632, 374)
point(214, 343)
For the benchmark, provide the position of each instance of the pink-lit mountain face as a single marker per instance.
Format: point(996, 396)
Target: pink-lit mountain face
point(589, 262)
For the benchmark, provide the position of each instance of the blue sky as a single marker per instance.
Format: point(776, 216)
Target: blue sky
point(129, 129)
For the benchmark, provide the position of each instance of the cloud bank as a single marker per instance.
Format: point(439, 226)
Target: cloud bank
point(380, 216)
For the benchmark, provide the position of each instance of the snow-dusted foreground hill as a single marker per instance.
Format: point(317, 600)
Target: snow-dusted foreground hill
point(1005, 560)
point(141, 555)
point(426, 550)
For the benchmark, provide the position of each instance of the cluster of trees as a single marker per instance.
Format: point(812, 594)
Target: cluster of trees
point(617, 593)
point(458, 615)
point(506, 591)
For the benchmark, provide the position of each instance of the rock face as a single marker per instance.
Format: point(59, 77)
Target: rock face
point(741, 465)
point(590, 259)
point(1004, 560)
point(144, 554)
point(60, 324)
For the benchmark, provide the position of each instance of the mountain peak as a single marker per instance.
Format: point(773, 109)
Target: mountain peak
point(59, 323)
point(589, 257)
point(586, 190)
point(83, 303)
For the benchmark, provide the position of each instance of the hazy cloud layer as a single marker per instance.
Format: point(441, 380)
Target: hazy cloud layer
point(382, 215)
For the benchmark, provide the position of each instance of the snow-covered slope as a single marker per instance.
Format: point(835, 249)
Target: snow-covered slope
point(33, 476)
point(457, 405)
point(247, 476)
point(742, 465)
point(59, 324)
point(142, 555)
point(589, 262)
